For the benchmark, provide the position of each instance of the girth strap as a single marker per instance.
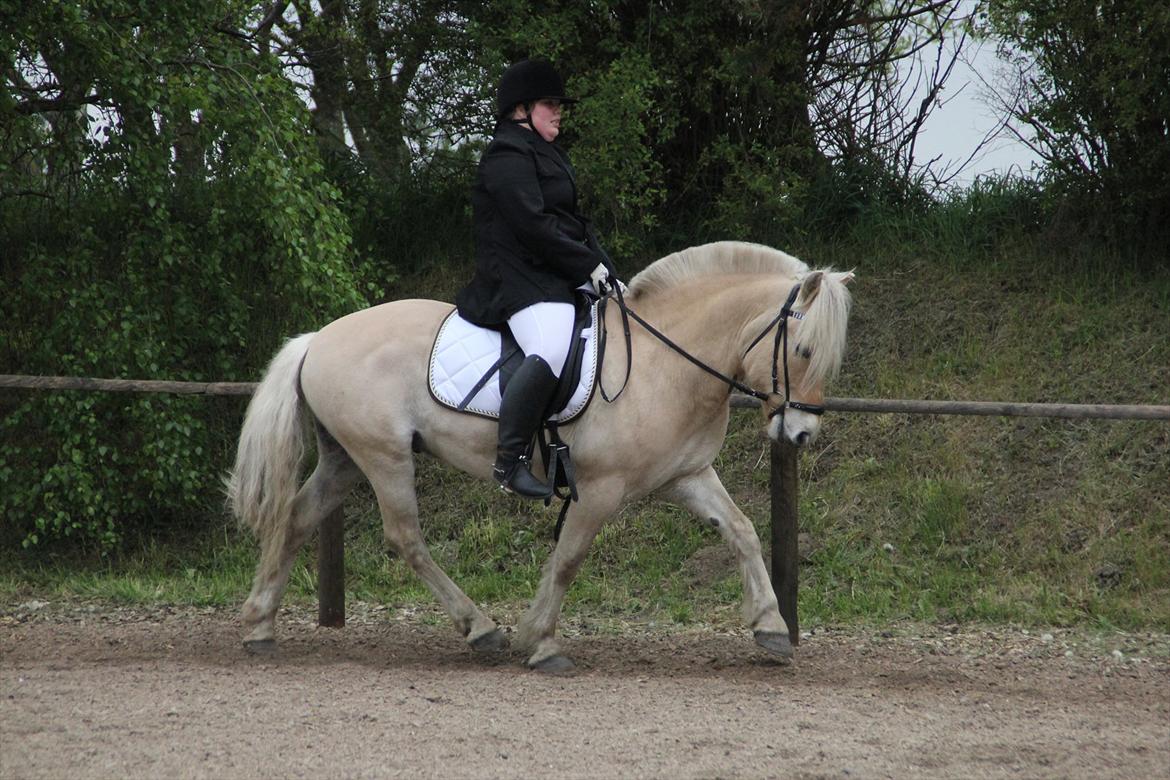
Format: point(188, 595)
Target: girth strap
point(558, 468)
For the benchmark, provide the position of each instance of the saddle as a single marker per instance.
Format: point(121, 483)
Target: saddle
point(470, 366)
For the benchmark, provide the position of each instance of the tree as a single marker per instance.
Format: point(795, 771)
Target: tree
point(389, 81)
point(163, 213)
point(723, 113)
point(398, 100)
point(1089, 92)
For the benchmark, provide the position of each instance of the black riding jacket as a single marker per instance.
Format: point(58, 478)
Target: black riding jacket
point(531, 244)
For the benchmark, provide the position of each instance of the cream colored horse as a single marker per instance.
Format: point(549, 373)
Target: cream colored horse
point(363, 379)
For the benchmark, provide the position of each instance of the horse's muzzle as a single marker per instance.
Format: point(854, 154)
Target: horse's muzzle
point(796, 426)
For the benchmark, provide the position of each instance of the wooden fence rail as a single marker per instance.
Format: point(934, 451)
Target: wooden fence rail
point(984, 408)
point(126, 385)
point(878, 405)
point(783, 480)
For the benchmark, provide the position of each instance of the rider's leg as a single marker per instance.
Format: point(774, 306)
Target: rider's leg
point(543, 331)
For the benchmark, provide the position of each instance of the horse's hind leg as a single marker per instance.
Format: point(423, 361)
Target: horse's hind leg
point(537, 629)
point(704, 494)
point(321, 494)
point(393, 481)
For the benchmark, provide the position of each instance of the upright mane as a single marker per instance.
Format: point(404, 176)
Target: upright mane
point(720, 257)
point(823, 327)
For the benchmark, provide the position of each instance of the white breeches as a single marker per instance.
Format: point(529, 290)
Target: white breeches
point(544, 329)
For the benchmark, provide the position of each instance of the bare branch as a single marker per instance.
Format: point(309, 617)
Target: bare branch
point(899, 15)
point(275, 13)
point(46, 105)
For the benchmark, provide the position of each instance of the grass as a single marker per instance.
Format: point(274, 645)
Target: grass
point(935, 519)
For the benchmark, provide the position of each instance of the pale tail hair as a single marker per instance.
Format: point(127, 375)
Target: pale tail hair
point(263, 483)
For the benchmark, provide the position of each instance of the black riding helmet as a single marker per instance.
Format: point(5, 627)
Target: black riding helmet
point(528, 81)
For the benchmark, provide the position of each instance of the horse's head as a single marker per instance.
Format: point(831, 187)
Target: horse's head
point(803, 351)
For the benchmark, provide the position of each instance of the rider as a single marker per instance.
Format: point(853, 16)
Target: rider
point(533, 249)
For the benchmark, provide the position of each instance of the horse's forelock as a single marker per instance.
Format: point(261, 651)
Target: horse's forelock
point(720, 257)
point(824, 326)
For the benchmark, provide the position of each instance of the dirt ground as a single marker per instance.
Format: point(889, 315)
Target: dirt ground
point(105, 692)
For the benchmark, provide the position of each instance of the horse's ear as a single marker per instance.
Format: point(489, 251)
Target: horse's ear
point(845, 278)
point(810, 286)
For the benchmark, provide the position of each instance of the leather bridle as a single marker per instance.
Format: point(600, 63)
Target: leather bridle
point(780, 322)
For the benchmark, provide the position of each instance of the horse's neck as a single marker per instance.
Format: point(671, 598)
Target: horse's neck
point(714, 318)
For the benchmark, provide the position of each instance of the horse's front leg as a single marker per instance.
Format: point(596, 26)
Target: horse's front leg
point(536, 633)
point(704, 494)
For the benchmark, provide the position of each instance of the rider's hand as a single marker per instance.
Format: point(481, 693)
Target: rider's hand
point(600, 279)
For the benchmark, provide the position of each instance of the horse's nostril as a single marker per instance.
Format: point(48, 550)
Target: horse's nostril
point(802, 438)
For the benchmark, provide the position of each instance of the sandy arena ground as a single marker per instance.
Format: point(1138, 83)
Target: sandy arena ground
point(105, 692)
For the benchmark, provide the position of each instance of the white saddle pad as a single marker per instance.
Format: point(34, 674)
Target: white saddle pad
point(464, 352)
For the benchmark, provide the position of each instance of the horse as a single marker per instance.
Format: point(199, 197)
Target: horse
point(361, 382)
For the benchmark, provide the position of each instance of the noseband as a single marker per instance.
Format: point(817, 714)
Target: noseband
point(780, 322)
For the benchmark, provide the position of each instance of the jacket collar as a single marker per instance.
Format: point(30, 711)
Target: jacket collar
point(515, 133)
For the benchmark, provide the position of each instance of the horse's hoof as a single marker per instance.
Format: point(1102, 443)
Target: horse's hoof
point(554, 664)
point(775, 643)
point(260, 646)
point(494, 641)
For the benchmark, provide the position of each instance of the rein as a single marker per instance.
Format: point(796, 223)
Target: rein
point(780, 322)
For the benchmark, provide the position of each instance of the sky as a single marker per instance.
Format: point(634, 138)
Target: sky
point(955, 129)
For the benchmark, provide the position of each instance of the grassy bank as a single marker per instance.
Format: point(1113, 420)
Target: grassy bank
point(937, 519)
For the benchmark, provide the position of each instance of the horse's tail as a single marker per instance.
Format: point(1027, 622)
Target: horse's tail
point(263, 483)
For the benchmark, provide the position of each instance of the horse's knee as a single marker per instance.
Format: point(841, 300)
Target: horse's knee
point(413, 553)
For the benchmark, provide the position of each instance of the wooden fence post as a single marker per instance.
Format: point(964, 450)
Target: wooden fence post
point(331, 570)
point(785, 557)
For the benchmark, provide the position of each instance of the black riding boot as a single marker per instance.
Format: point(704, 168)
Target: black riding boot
point(522, 410)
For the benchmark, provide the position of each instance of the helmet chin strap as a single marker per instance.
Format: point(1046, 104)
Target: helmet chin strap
point(527, 120)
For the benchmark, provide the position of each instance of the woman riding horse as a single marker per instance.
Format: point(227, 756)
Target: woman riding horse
point(662, 436)
point(533, 250)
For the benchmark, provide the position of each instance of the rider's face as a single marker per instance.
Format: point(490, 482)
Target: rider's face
point(546, 118)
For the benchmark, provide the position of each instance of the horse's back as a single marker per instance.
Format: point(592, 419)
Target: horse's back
point(358, 363)
point(386, 321)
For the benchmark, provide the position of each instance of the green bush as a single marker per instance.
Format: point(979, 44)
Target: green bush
point(1091, 90)
point(181, 241)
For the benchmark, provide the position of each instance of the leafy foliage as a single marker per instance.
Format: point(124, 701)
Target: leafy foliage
point(168, 218)
point(1092, 95)
point(707, 120)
